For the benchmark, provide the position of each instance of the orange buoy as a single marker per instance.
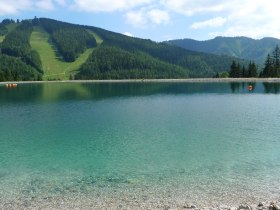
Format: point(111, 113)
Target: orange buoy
point(250, 87)
point(11, 85)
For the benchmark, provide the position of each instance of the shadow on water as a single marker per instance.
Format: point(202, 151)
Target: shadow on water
point(271, 87)
point(21, 94)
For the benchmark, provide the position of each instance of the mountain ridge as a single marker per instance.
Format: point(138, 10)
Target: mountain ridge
point(240, 47)
point(130, 57)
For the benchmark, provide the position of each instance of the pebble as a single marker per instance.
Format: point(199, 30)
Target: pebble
point(243, 207)
point(274, 207)
point(260, 204)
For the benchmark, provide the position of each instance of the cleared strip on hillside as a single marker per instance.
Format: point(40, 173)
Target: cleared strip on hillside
point(53, 66)
point(2, 38)
point(98, 39)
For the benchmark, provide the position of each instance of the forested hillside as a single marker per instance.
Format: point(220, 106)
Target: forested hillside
point(198, 64)
point(71, 51)
point(13, 69)
point(239, 47)
point(116, 63)
point(18, 60)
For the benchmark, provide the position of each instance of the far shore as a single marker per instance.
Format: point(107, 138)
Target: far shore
point(191, 80)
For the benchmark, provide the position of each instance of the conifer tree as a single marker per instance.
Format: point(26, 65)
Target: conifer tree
point(268, 67)
point(252, 69)
point(276, 62)
point(234, 70)
point(244, 72)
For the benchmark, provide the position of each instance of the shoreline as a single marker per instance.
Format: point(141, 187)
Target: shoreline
point(189, 80)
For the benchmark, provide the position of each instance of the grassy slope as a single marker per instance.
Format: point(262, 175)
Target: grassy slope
point(2, 38)
point(54, 68)
point(98, 39)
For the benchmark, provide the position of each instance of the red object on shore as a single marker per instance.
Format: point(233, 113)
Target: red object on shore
point(11, 85)
point(250, 87)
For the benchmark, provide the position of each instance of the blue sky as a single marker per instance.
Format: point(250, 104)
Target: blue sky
point(158, 19)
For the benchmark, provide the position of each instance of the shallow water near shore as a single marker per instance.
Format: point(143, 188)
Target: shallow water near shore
point(139, 144)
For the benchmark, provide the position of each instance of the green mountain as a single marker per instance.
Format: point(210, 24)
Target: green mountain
point(46, 49)
point(239, 47)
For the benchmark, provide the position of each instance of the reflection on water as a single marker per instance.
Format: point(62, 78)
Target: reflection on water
point(271, 87)
point(97, 91)
point(242, 87)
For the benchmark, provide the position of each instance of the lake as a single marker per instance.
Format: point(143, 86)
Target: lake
point(138, 145)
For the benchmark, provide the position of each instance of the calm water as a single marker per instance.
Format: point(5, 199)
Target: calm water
point(215, 142)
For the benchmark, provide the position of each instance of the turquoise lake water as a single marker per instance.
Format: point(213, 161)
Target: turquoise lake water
point(215, 142)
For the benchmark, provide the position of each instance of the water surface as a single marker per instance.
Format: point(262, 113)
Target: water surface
point(140, 143)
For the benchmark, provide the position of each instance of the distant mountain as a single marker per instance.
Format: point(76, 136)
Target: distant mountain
point(239, 47)
point(48, 49)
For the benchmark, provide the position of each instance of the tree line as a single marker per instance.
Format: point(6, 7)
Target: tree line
point(236, 71)
point(271, 67)
point(272, 64)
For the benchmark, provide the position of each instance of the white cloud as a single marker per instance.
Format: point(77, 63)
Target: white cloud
point(107, 5)
point(192, 7)
point(128, 34)
point(215, 22)
point(159, 16)
point(44, 5)
point(136, 18)
point(146, 16)
point(254, 18)
point(12, 7)
point(8, 7)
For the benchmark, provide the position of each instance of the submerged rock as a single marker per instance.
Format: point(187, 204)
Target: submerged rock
point(260, 204)
point(244, 207)
point(274, 207)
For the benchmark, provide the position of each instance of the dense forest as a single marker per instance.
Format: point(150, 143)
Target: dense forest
point(236, 71)
point(3, 29)
point(71, 40)
point(17, 60)
point(17, 44)
point(116, 63)
point(13, 69)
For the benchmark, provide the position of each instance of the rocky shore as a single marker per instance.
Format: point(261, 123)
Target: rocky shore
point(75, 203)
